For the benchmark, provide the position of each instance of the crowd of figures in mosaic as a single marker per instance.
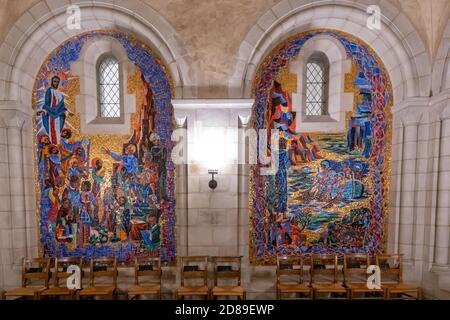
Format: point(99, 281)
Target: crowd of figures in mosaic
point(93, 200)
point(329, 192)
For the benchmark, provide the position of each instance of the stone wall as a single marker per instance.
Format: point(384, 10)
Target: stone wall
point(216, 222)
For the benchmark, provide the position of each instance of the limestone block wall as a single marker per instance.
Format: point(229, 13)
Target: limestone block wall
point(217, 222)
point(209, 220)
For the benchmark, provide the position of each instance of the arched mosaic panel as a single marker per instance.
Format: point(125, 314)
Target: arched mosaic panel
point(104, 195)
point(330, 191)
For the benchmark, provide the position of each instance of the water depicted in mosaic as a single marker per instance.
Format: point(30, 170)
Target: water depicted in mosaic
point(329, 194)
point(104, 195)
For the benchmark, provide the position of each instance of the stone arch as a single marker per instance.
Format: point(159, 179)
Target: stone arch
point(43, 27)
point(403, 51)
point(441, 66)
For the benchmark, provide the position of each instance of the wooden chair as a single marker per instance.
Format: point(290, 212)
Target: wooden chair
point(355, 271)
point(290, 278)
point(150, 268)
point(2, 295)
point(391, 267)
point(105, 268)
point(227, 268)
point(60, 273)
point(33, 270)
point(324, 270)
point(194, 268)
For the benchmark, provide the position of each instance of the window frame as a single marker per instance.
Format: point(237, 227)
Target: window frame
point(322, 60)
point(100, 118)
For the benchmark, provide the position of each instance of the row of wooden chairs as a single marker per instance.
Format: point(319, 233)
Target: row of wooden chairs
point(327, 278)
point(330, 280)
point(149, 269)
point(227, 278)
point(101, 269)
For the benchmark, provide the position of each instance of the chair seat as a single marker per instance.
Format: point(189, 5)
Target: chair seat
point(97, 291)
point(329, 287)
point(301, 287)
point(228, 291)
point(403, 289)
point(138, 290)
point(362, 287)
point(25, 292)
point(400, 287)
point(193, 290)
point(57, 291)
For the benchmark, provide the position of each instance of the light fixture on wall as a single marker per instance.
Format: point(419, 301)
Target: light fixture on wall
point(212, 183)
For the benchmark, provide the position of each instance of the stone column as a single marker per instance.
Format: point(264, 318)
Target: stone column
point(18, 227)
point(5, 207)
point(243, 186)
point(442, 230)
point(408, 186)
point(243, 189)
point(181, 183)
point(395, 187)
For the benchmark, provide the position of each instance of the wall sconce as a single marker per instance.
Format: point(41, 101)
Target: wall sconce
point(212, 183)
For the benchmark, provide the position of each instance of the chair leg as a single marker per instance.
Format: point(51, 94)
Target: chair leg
point(159, 295)
point(388, 294)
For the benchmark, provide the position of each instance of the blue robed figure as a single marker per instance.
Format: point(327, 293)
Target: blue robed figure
point(54, 111)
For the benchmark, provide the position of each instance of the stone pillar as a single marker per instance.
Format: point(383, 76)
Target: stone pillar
point(395, 187)
point(181, 183)
point(5, 208)
point(408, 185)
point(243, 187)
point(442, 229)
point(18, 225)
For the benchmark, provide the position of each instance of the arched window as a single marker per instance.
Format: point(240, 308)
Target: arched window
point(317, 69)
point(109, 87)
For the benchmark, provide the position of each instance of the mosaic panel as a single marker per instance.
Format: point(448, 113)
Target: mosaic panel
point(330, 192)
point(104, 195)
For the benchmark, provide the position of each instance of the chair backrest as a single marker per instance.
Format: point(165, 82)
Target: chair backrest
point(105, 267)
point(227, 268)
point(391, 267)
point(149, 267)
point(324, 268)
point(290, 269)
point(355, 267)
point(61, 265)
point(194, 267)
point(35, 269)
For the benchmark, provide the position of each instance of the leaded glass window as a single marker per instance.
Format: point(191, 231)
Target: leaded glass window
point(317, 85)
point(109, 87)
